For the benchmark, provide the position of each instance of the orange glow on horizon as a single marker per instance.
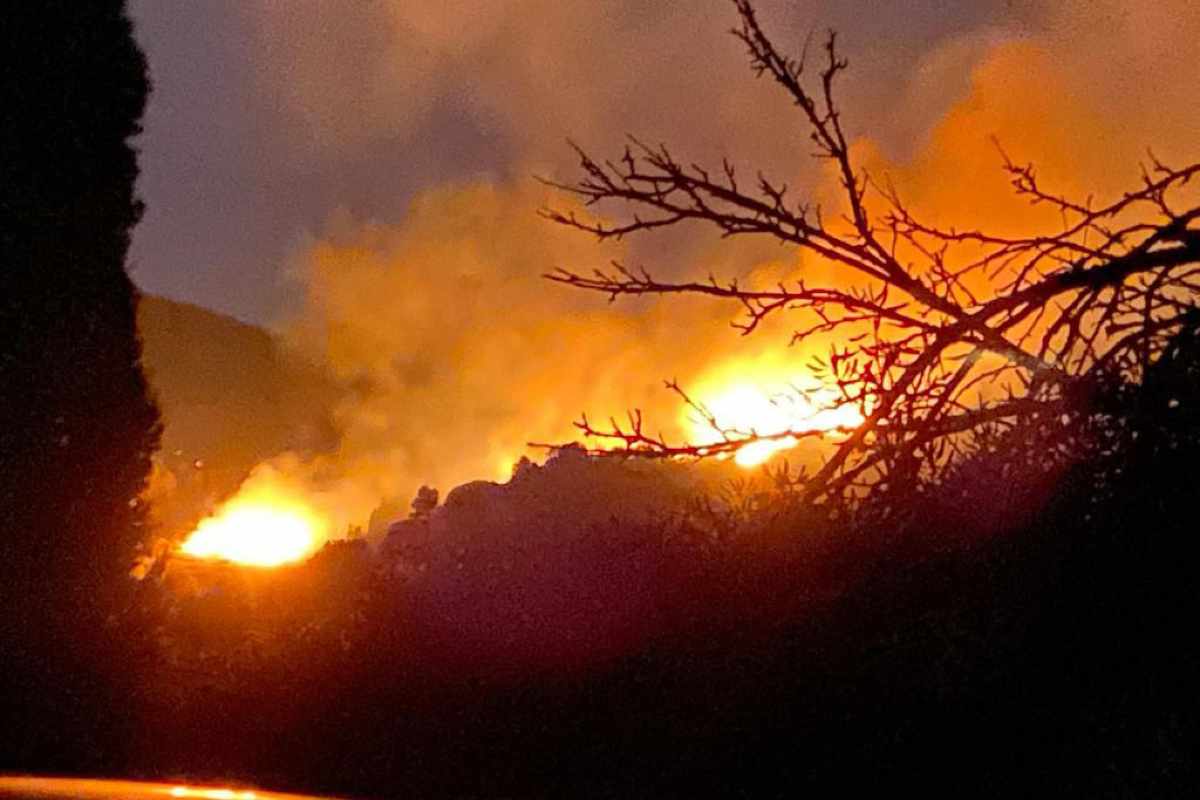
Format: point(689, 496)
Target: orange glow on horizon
point(263, 526)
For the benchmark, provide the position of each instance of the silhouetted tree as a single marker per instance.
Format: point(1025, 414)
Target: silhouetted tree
point(77, 423)
point(424, 503)
point(929, 318)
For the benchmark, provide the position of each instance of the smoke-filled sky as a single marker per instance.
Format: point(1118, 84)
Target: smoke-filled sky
point(359, 176)
point(270, 119)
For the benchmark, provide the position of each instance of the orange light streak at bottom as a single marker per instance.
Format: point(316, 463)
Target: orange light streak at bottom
point(23, 786)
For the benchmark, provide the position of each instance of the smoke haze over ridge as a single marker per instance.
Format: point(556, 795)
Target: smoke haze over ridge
point(369, 175)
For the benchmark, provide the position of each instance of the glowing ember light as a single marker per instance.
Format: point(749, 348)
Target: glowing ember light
point(747, 407)
point(754, 454)
point(261, 526)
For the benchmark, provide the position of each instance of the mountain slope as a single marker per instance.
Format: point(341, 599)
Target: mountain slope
point(230, 396)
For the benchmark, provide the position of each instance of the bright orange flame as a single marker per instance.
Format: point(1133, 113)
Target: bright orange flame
point(262, 526)
point(755, 406)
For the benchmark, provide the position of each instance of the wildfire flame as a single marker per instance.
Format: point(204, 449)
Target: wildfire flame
point(263, 525)
point(759, 407)
point(277, 517)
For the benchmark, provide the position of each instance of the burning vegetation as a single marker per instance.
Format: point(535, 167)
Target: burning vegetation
point(258, 528)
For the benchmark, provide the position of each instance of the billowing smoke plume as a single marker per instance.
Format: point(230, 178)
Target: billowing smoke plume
point(455, 353)
point(427, 306)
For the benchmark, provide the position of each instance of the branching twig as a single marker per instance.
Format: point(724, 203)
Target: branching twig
point(928, 313)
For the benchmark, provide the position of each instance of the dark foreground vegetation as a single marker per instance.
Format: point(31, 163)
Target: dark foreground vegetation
point(1025, 634)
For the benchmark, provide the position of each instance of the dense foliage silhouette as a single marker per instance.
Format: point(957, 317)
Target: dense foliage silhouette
point(78, 424)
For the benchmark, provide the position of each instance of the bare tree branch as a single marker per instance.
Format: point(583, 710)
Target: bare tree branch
point(921, 335)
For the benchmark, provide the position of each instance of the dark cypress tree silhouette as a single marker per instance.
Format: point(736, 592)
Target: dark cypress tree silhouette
point(77, 423)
